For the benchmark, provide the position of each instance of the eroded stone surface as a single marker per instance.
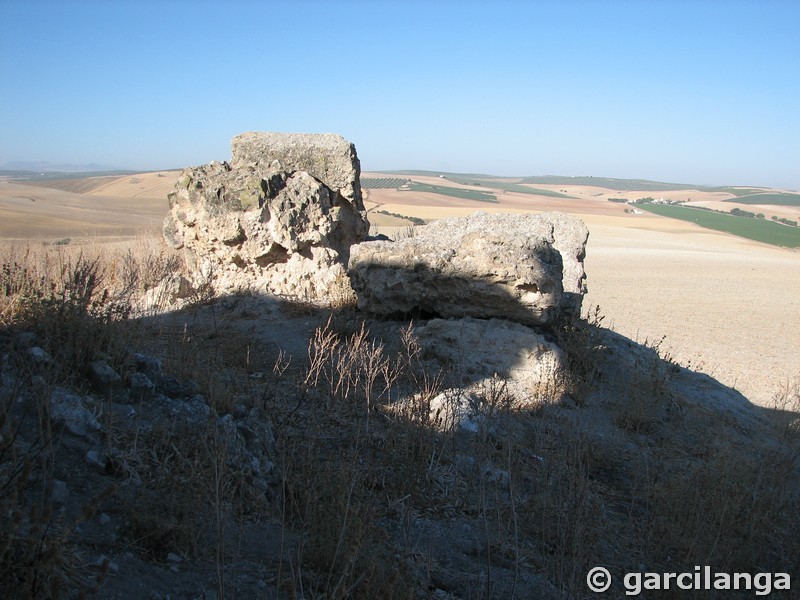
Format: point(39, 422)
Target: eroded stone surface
point(570, 235)
point(501, 265)
point(475, 351)
point(280, 218)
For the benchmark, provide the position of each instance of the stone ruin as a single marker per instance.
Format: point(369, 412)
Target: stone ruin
point(521, 267)
point(279, 218)
point(286, 217)
point(489, 280)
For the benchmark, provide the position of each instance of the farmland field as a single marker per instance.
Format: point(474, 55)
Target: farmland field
point(507, 187)
point(466, 194)
point(655, 276)
point(608, 183)
point(382, 183)
point(780, 199)
point(753, 229)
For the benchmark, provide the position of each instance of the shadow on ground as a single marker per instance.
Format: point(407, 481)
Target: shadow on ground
point(282, 450)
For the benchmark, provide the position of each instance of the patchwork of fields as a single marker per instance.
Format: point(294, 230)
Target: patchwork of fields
point(760, 230)
point(727, 304)
point(779, 199)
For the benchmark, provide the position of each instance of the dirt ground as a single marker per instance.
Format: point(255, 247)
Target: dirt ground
point(726, 306)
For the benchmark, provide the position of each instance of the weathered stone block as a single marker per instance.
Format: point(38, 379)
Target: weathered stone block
point(280, 218)
point(501, 265)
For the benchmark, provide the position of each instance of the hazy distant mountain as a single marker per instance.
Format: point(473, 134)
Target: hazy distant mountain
point(47, 167)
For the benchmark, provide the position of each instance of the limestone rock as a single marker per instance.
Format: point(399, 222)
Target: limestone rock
point(452, 410)
point(280, 218)
point(569, 238)
point(106, 381)
point(67, 410)
point(477, 351)
point(39, 356)
point(148, 366)
point(327, 157)
point(25, 340)
point(60, 492)
point(140, 386)
point(503, 265)
point(169, 291)
point(491, 365)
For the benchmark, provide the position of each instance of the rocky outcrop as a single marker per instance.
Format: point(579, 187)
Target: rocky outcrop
point(510, 266)
point(570, 235)
point(280, 218)
point(475, 351)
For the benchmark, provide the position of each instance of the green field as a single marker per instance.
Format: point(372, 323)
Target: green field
point(775, 199)
point(382, 183)
point(735, 191)
point(374, 183)
point(753, 229)
point(606, 182)
point(465, 194)
point(620, 185)
point(507, 186)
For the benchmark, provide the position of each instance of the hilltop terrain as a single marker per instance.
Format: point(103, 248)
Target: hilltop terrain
point(652, 276)
point(726, 305)
point(274, 404)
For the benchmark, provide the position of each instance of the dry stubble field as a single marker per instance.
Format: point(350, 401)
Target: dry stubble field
point(726, 306)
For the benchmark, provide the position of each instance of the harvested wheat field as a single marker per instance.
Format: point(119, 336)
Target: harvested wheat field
point(726, 306)
point(720, 304)
point(41, 212)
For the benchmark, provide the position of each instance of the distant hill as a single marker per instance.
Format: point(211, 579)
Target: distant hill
point(423, 173)
point(38, 175)
point(775, 199)
point(42, 166)
point(620, 185)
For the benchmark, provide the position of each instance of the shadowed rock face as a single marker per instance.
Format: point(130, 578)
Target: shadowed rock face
point(570, 235)
point(486, 265)
point(476, 350)
point(281, 217)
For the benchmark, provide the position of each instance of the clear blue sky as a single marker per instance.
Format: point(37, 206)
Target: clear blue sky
point(688, 91)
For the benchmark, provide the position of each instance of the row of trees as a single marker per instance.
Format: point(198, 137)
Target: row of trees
point(784, 221)
point(414, 220)
point(736, 212)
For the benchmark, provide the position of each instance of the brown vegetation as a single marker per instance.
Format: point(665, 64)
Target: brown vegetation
point(635, 468)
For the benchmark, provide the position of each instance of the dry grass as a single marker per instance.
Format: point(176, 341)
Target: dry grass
point(365, 480)
point(653, 276)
